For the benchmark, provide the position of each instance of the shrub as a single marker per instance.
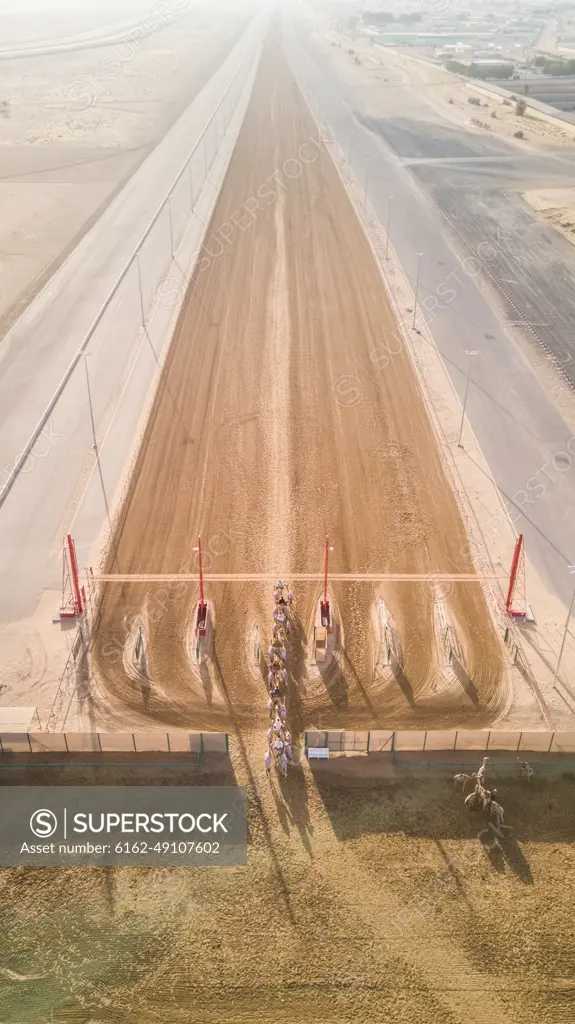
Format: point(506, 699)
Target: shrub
point(474, 100)
point(517, 135)
point(520, 107)
point(493, 113)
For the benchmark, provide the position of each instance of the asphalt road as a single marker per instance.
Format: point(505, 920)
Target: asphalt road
point(465, 193)
point(60, 483)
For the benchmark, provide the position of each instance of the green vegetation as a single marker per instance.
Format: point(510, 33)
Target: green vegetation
point(382, 18)
point(555, 67)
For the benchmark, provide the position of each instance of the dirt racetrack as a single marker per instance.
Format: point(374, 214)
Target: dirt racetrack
point(278, 421)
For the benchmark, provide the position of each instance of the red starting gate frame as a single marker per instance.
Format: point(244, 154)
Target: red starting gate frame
point(516, 592)
point(73, 596)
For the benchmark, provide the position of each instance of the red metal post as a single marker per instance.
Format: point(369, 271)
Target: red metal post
point(75, 577)
point(513, 574)
point(326, 565)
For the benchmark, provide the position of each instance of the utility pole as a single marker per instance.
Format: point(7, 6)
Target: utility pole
point(471, 353)
point(419, 255)
point(388, 226)
point(565, 631)
point(324, 605)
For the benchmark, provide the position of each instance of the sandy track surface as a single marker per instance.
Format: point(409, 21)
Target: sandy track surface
point(363, 900)
point(272, 426)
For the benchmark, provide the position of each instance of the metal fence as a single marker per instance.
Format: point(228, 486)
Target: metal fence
point(198, 743)
point(398, 741)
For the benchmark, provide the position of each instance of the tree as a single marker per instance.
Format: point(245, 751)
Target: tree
point(378, 17)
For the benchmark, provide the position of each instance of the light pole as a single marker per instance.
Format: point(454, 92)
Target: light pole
point(95, 446)
point(171, 226)
point(138, 265)
point(470, 353)
point(191, 185)
point(419, 255)
point(90, 406)
point(202, 609)
point(388, 226)
point(568, 619)
point(325, 614)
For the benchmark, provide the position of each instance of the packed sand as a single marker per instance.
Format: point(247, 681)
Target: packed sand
point(363, 900)
point(273, 425)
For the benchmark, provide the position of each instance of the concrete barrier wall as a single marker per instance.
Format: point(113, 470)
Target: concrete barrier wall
point(448, 740)
point(105, 742)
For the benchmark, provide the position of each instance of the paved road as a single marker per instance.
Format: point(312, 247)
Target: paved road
point(515, 421)
point(37, 352)
point(133, 29)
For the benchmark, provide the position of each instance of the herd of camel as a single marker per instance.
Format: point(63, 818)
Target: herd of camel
point(484, 798)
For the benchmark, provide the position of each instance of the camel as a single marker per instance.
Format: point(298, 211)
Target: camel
point(497, 813)
point(461, 780)
point(480, 773)
point(480, 796)
point(472, 801)
point(527, 771)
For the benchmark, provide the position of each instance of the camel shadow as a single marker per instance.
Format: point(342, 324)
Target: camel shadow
point(358, 682)
point(401, 678)
point(294, 791)
point(144, 676)
point(207, 684)
point(82, 680)
point(283, 810)
point(516, 860)
point(503, 850)
point(463, 677)
point(494, 854)
point(335, 684)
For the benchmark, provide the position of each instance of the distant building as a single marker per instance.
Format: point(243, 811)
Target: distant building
point(437, 39)
point(491, 68)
